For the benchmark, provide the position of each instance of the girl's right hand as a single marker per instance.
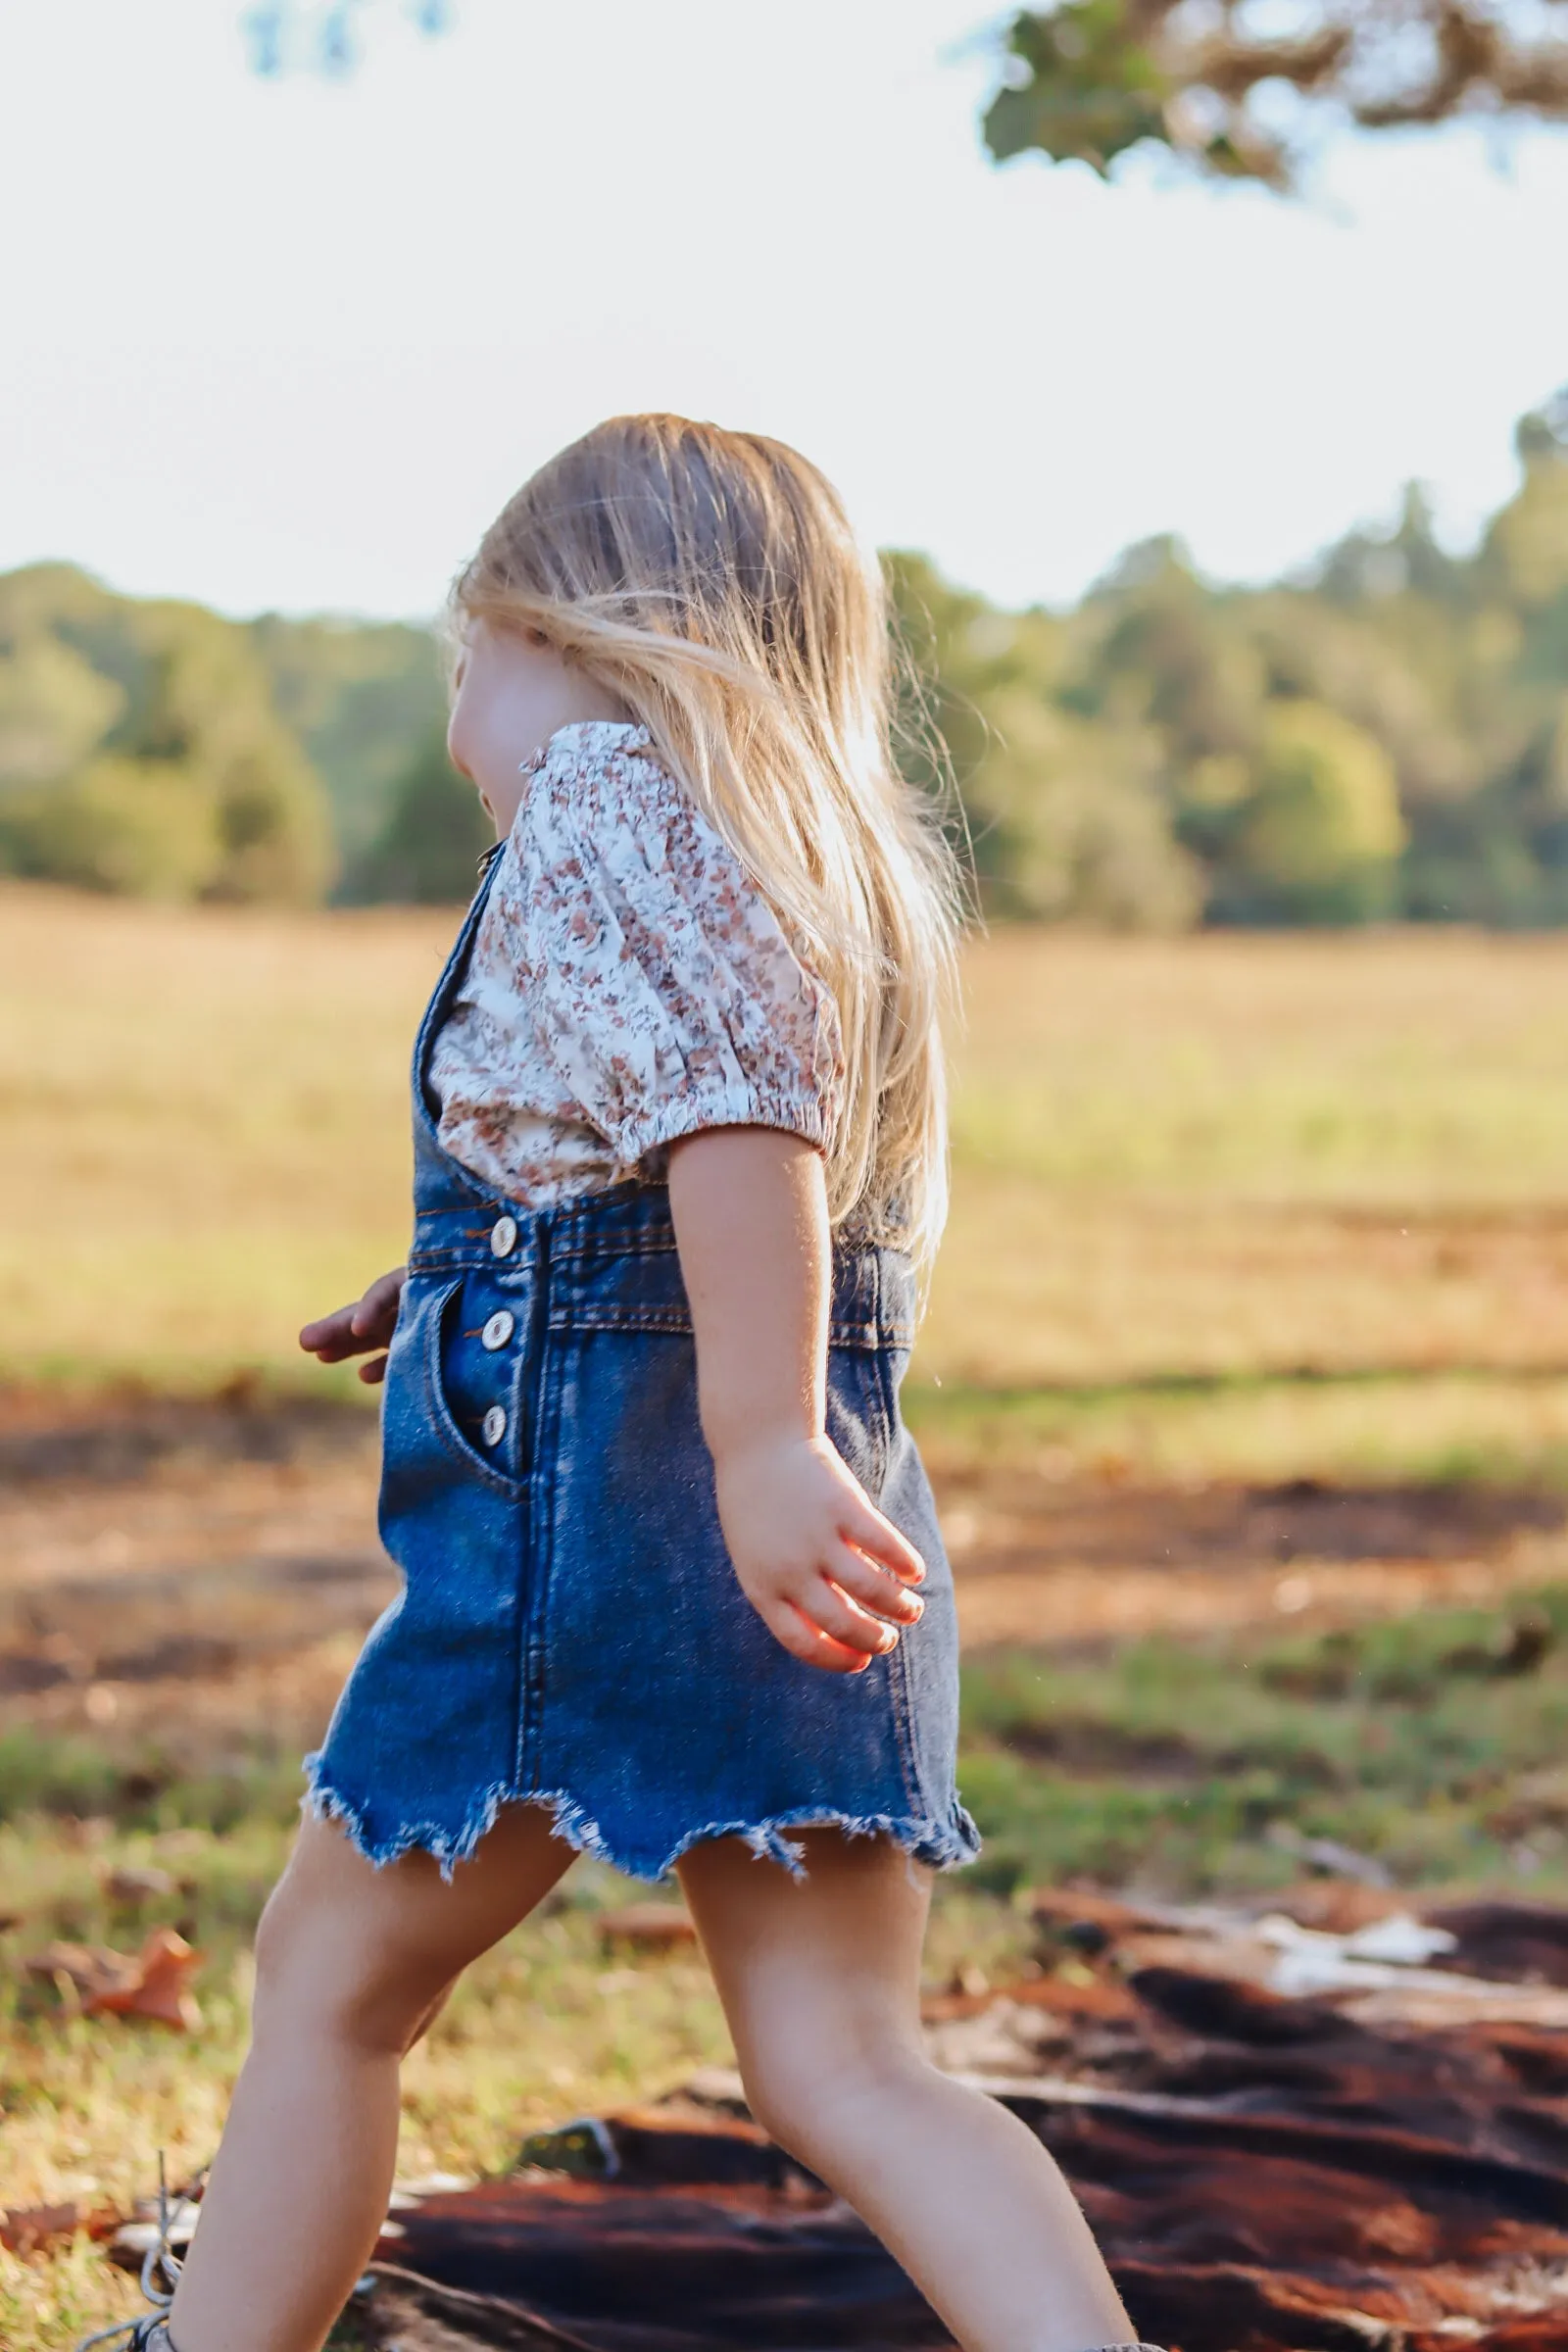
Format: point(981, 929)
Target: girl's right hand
point(358, 1330)
point(827, 1573)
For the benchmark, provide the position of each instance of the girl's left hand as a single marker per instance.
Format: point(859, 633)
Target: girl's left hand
point(822, 1568)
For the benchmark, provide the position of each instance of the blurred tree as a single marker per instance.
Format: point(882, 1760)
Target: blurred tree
point(1063, 817)
point(1239, 94)
point(1173, 656)
point(357, 695)
point(1525, 551)
point(140, 750)
point(1319, 836)
point(144, 828)
point(55, 707)
point(1068, 824)
point(435, 832)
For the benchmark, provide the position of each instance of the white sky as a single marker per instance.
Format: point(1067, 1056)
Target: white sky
point(290, 344)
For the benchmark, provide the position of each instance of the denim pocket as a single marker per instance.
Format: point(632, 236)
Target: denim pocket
point(476, 1367)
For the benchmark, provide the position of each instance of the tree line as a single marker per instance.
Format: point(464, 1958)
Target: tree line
point(1383, 737)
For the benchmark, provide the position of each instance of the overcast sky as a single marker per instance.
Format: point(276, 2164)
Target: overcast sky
point(289, 344)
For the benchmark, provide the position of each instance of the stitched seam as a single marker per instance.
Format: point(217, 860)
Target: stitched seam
point(864, 1337)
point(903, 1715)
point(596, 1250)
point(668, 1320)
point(532, 1620)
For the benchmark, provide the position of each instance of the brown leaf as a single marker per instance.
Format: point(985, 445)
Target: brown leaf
point(23, 2228)
point(152, 1984)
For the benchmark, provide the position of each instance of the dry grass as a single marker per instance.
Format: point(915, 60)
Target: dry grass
point(1188, 1174)
point(207, 1127)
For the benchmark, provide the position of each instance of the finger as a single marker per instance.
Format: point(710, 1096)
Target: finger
point(377, 1310)
point(329, 1334)
point(873, 1588)
point(374, 1330)
point(864, 1527)
point(338, 1351)
point(794, 1632)
point(374, 1371)
point(825, 1607)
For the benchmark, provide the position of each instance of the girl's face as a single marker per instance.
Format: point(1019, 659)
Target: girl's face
point(510, 694)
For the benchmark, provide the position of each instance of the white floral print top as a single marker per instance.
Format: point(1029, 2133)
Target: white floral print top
point(628, 985)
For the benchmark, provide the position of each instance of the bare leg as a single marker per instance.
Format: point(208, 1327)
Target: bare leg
point(353, 1964)
point(820, 1985)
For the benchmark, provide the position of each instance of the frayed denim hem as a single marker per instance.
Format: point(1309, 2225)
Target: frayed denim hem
point(937, 1845)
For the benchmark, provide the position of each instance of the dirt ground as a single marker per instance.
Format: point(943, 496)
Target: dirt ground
point(216, 1564)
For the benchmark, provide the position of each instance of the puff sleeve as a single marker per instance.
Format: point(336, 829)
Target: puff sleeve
point(663, 995)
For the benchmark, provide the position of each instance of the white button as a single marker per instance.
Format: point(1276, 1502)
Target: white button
point(499, 1330)
point(493, 1428)
point(503, 1237)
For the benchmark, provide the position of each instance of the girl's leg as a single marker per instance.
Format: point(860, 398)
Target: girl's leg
point(351, 1964)
point(820, 1985)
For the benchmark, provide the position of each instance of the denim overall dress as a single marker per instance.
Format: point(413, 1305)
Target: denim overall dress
point(571, 1633)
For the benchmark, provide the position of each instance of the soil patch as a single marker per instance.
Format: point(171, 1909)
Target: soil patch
point(227, 1545)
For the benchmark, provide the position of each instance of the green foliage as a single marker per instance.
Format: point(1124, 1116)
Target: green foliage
point(1083, 88)
point(55, 710)
point(357, 695)
point(141, 751)
point(148, 828)
point(1390, 739)
point(434, 834)
point(1063, 819)
point(1317, 837)
point(1088, 79)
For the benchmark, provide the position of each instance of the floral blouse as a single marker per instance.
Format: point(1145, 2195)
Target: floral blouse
point(628, 985)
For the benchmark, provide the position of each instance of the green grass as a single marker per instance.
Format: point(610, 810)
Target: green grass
point(1444, 1425)
point(1425, 1743)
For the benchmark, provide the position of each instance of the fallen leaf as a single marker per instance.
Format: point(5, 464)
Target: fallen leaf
point(23, 2228)
point(152, 1984)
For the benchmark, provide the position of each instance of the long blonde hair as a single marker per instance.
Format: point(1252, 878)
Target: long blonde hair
point(711, 581)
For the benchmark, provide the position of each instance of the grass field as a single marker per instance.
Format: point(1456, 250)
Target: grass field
point(1225, 1209)
point(1228, 1204)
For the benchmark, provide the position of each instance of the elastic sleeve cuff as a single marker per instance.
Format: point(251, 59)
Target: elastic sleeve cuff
point(725, 1106)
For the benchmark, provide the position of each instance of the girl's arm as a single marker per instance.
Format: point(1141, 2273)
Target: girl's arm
point(823, 1569)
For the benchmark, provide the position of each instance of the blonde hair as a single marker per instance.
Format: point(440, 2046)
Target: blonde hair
point(710, 581)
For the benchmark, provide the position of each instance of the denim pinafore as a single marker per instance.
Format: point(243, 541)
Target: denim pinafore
point(570, 1631)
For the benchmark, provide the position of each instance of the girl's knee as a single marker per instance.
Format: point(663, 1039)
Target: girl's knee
point(809, 2103)
point(317, 1971)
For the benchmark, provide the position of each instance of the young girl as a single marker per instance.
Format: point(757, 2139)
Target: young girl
point(674, 1592)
